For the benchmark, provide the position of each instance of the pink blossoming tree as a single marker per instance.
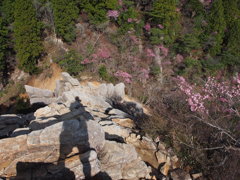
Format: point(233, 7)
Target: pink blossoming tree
point(124, 75)
point(113, 13)
point(147, 27)
point(216, 99)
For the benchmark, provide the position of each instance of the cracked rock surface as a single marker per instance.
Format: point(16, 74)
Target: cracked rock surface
point(78, 134)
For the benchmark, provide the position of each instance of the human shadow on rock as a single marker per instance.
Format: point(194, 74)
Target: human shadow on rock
point(74, 134)
point(68, 141)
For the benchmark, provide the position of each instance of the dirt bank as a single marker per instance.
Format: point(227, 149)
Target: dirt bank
point(47, 79)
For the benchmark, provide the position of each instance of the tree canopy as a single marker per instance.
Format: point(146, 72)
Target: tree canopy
point(65, 13)
point(27, 35)
point(3, 47)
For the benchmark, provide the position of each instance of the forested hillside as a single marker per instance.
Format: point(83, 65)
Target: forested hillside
point(179, 57)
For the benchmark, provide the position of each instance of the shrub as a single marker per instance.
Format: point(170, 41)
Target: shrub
point(111, 4)
point(157, 36)
point(230, 58)
point(212, 64)
point(22, 105)
point(191, 62)
point(155, 70)
point(193, 68)
point(71, 62)
point(103, 73)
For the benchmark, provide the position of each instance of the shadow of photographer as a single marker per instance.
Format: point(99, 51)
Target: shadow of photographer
point(68, 141)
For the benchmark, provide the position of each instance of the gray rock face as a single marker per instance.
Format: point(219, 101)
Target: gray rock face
point(53, 143)
point(119, 90)
point(66, 77)
point(122, 162)
point(114, 129)
point(37, 92)
point(38, 95)
point(76, 136)
point(69, 88)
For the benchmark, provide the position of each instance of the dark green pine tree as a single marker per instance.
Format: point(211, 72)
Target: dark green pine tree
point(27, 34)
point(216, 27)
point(3, 48)
point(232, 35)
point(165, 13)
point(97, 9)
point(65, 13)
point(7, 9)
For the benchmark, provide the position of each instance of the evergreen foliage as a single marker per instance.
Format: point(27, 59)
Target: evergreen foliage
point(27, 34)
point(188, 43)
point(65, 13)
point(3, 47)
point(97, 9)
point(231, 54)
point(45, 14)
point(216, 28)
point(71, 62)
point(130, 20)
point(7, 10)
point(103, 73)
point(165, 13)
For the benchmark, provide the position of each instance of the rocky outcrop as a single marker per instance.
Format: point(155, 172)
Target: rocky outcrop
point(81, 133)
point(47, 145)
point(70, 138)
point(38, 95)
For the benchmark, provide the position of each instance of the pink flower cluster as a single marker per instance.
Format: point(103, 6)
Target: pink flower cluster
point(164, 50)
point(126, 77)
point(150, 53)
point(195, 100)
point(102, 53)
point(160, 26)
point(219, 95)
point(87, 61)
point(113, 13)
point(147, 27)
point(132, 20)
point(222, 90)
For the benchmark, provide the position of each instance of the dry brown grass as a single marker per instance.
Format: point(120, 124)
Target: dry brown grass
point(47, 79)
